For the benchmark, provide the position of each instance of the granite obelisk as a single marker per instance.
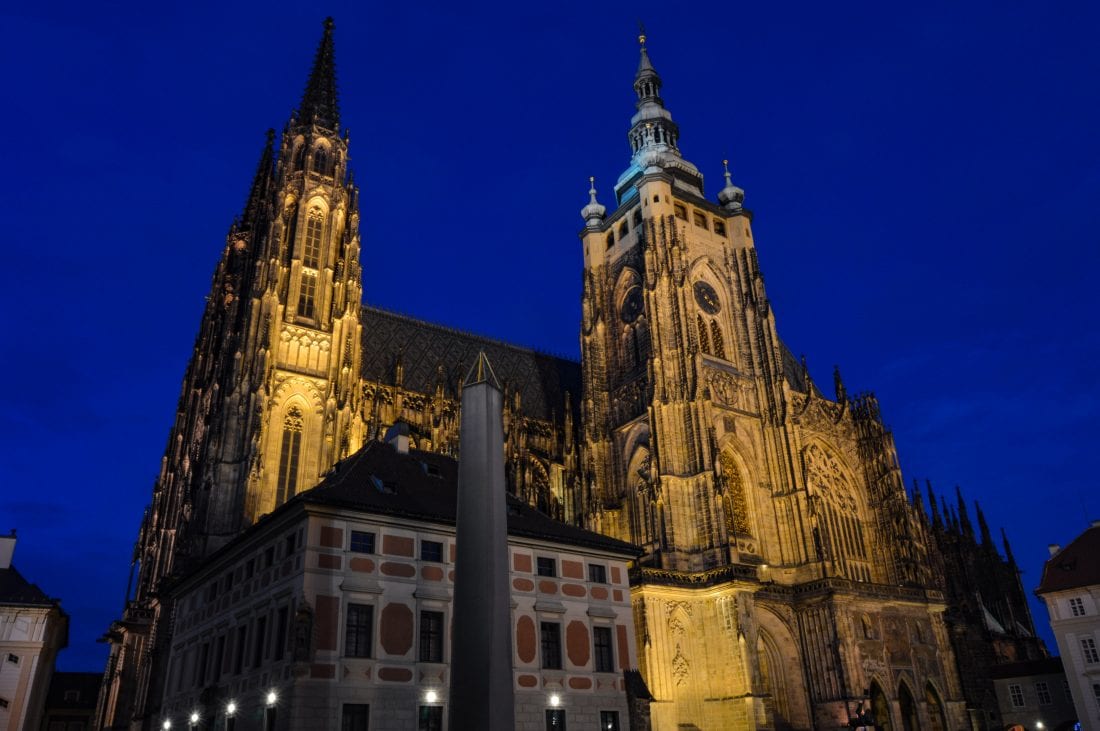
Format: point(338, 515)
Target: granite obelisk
point(481, 640)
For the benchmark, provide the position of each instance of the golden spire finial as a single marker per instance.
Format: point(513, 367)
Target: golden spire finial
point(641, 34)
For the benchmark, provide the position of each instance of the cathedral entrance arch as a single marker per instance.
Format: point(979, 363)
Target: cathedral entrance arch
point(936, 715)
point(880, 707)
point(778, 671)
point(908, 707)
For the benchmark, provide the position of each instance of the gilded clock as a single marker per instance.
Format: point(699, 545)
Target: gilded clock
point(707, 298)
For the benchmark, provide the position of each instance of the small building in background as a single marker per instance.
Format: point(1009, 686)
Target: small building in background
point(1034, 692)
point(70, 703)
point(335, 610)
point(33, 629)
point(1071, 590)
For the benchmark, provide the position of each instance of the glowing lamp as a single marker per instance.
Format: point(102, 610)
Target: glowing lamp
point(555, 700)
point(271, 698)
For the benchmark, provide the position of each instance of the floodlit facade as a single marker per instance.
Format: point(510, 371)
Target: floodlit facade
point(1071, 591)
point(787, 577)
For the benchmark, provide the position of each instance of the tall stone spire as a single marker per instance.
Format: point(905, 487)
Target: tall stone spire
point(261, 183)
point(481, 643)
point(319, 102)
point(654, 137)
point(964, 517)
point(936, 522)
point(1008, 549)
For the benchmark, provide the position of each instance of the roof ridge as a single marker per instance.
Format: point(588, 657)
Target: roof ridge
point(470, 334)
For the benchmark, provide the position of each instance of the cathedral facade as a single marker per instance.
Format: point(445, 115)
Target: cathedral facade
point(788, 579)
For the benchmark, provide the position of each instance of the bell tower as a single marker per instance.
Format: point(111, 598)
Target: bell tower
point(308, 359)
point(674, 318)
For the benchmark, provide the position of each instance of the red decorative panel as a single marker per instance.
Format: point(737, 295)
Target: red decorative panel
point(572, 569)
point(624, 648)
point(576, 590)
point(548, 587)
point(616, 576)
point(328, 621)
point(396, 628)
point(598, 592)
point(580, 683)
point(523, 585)
point(397, 546)
point(525, 639)
point(322, 671)
point(332, 537)
point(326, 561)
point(618, 594)
point(527, 681)
point(522, 562)
point(395, 675)
point(405, 570)
point(361, 564)
point(432, 573)
point(576, 643)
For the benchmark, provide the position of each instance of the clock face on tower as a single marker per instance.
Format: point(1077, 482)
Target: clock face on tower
point(707, 298)
point(632, 304)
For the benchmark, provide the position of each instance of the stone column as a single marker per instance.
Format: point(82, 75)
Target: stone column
point(481, 639)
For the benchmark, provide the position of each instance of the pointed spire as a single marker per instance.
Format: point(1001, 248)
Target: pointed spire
point(731, 197)
point(838, 385)
point(481, 372)
point(261, 181)
point(319, 102)
point(936, 521)
point(948, 517)
point(983, 527)
point(1008, 549)
point(806, 377)
point(964, 517)
point(593, 213)
point(917, 498)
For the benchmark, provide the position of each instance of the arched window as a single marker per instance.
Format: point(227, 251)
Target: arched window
point(289, 454)
point(300, 157)
point(307, 293)
point(704, 342)
point(311, 256)
point(935, 709)
point(320, 161)
point(736, 507)
point(716, 339)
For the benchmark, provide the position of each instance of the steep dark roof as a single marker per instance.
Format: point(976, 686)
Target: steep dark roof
point(422, 347)
point(1078, 564)
point(423, 486)
point(1044, 666)
point(14, 589)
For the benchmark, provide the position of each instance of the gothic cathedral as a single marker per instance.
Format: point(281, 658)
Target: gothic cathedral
point(788, 580)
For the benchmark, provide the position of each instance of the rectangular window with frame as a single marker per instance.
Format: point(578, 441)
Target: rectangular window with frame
point(1043, 691)
point(239, 649)
point(699, 219)
point(357, 637)
point(719, 228)
point(546, 566)
point(13, 658)
point(609, 720)
point(362, 541)
point(597, 573)
point(307, 292)
point(200, 669)
point(431, 636)
point(355, 717)
point(550, 634)
point(680, 211)
point(430, 718)
point(281, 627)
point(1088, 648)
point(1017, 695)
point(555, 719)
point(431, 551)
point(258, 647)
point(219, 657)
point(1096, 692)
point(1077, 606)
point(603, 654)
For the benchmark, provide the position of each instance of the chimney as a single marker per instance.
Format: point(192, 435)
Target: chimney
point(1054, 548)
point(7, 548)
point(481, 642)
point(397, 436)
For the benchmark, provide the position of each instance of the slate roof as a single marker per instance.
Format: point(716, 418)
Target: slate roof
point(1043, 666)
point(14, 589)
point(1076, 565)
point(422, 347)
point(424, 486)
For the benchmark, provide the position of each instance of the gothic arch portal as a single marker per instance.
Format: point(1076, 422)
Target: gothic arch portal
point(780, 672)
point(907, 705)
point(937, 716)
point(880, 707)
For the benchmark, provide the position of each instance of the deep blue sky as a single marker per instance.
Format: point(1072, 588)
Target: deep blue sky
point(925, 181)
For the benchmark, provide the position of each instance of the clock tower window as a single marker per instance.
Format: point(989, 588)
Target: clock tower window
point(716, 339)
point(704, 341)
point(307, 293)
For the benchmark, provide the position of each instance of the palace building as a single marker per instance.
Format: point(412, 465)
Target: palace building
point(786, 577)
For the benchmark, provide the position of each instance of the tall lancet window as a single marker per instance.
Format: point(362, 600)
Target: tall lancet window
point(307, 294)
point(311, 257)
point(289, 454)
point(704, 341)
point(716, 340)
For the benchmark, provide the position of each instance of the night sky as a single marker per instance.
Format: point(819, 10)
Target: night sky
point(924, 180)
